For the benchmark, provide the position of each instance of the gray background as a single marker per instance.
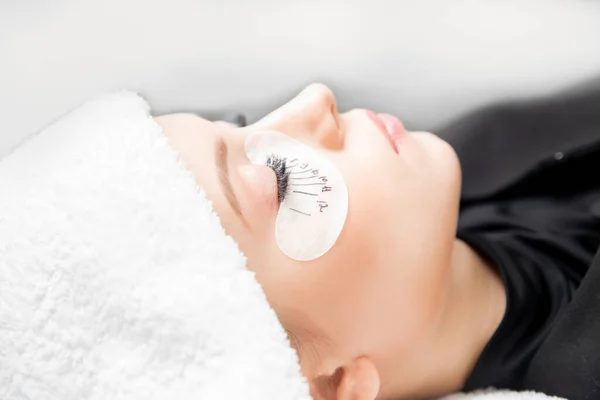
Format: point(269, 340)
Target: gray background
point(426, 61)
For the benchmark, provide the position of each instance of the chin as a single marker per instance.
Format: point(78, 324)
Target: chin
point(445, 176)
point(442, 158)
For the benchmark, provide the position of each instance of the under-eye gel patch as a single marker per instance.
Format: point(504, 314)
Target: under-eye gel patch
point(313, 212)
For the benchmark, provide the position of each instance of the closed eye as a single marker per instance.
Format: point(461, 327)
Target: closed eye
point(282, 173)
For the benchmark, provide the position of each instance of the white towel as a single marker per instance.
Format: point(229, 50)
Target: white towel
point(117, 280)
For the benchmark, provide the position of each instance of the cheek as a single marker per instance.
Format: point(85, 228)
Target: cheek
point(335, 292)
point(397, 243)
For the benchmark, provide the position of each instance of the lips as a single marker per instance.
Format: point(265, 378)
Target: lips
point(390, 126)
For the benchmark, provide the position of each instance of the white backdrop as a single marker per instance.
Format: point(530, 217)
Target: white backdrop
point(423, 60)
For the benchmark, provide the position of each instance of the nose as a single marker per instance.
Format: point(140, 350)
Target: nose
point(311, 116)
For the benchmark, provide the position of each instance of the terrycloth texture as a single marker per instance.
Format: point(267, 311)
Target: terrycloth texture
point(117, 280)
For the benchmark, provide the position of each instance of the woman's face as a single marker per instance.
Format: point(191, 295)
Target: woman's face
point(379, 290)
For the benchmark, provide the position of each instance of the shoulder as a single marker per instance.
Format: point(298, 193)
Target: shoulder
point(499, 144)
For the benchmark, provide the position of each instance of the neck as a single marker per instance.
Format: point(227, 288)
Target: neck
point(473, 309)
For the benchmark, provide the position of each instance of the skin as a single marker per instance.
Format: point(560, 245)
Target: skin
point(398, 308)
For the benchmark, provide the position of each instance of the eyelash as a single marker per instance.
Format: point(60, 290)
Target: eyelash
point(278, 165)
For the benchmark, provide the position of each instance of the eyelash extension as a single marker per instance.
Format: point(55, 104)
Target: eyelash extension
point(278, 165)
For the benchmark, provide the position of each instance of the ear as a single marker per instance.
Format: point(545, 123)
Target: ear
point(359, 380)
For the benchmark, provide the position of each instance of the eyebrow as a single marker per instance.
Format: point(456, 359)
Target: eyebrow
point(223, 173)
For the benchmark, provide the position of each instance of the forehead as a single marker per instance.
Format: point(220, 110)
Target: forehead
point(178, 125)
point(194, 139)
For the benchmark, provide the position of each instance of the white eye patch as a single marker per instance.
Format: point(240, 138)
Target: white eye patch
point(314, 210)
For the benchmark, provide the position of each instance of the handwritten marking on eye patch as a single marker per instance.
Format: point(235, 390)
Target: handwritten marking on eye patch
point(298, 211)
point(310, 194)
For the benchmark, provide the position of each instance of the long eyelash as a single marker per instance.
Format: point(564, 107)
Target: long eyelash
point(282, 173)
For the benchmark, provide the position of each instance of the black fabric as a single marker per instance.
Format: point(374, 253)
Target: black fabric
point(501, 144)
point(530, 203)
point(543, 246)
point(568, 362)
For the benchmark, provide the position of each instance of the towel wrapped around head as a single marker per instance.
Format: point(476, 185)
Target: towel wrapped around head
point(117, 280)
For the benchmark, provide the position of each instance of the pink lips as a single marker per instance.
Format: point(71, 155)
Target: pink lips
point(390, 126)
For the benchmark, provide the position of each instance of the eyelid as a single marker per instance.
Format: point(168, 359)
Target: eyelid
point(261, 183)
